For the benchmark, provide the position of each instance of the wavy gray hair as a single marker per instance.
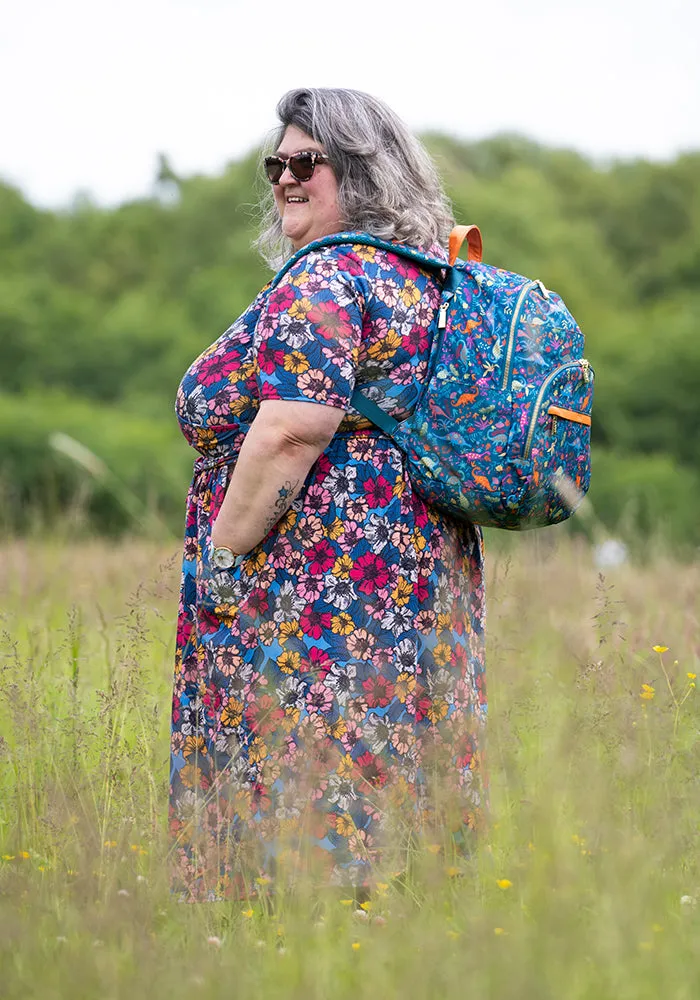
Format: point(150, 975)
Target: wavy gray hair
point(387, 184)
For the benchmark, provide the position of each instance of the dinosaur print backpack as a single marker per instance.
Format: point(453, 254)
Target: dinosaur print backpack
point(500, 435)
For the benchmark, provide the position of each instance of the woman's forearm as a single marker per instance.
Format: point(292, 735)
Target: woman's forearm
point(272, 465)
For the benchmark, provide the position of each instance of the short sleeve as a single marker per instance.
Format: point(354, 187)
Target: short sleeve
point(308, 334)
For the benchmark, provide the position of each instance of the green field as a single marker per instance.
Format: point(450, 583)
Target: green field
point(583, 886)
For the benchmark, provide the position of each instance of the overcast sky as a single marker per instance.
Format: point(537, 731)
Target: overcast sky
point(93, 90)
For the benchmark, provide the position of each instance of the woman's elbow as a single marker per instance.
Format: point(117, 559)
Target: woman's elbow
point(302, 428)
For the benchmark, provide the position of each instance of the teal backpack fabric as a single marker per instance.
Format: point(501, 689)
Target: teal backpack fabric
point(500, 435)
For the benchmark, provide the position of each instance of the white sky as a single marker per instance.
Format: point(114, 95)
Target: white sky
point(92, 90)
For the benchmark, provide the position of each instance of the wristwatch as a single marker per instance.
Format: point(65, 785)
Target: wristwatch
point(224, 558)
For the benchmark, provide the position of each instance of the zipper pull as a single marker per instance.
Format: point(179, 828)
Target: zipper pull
point(586, 368)
point(442, 317)
point(543, 290)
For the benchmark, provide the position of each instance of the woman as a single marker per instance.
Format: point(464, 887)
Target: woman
point(330, 640)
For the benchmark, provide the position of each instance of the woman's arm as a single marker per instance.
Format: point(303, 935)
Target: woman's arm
point(283, 442)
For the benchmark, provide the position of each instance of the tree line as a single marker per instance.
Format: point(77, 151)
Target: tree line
point(102, 310)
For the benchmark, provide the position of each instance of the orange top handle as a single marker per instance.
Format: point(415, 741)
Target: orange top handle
point(472, 235)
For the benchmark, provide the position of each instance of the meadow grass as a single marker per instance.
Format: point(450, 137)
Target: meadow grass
point(584, 885)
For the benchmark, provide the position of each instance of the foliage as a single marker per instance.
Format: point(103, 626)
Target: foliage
point(585, 885)
point(109, 307)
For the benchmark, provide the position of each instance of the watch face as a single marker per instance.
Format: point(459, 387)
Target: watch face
point(223, 558)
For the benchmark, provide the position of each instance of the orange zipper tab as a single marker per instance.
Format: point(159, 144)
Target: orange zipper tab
point(579, 418)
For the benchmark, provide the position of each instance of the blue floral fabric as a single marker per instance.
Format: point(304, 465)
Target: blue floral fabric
point(322, 685)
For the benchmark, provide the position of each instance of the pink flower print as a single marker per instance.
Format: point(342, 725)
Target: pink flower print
point(314, 284)
point(315, 385)
point(360, 644)
point(279, 554)
point(352, 535)
point(418, 703)
point(400, 536)
point(402, 739)
point(369, 572)
point(280, 299)
point(296, 562)
point(387, 290)
point(424, 311)
point(326, 268)
point(309, 587)
point(228, 659)
point(359, 844)
point(356, 508)
point(351, 737)
point(314, 623)
point(318, 791)
point(379, 491)
point(403, 374)
point(310, 530)
point(318, 499)
point(319, 699)
point(322, 557)
point(249, 638)
point(362, 448)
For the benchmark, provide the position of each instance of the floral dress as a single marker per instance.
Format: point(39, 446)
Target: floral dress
point(328, 692)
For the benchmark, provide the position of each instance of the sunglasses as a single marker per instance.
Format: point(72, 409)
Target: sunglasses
point(301, 166)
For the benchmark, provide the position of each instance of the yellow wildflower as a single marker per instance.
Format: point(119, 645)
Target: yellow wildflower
point(660, 649)
point(504, 883)
point(110, 843)
point(356, 946)
point(498, 930)
point(647, 692)
point(247, 913)
point(691, 677)
point(24, 855)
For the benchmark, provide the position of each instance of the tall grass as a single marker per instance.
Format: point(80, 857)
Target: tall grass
point(583, 887)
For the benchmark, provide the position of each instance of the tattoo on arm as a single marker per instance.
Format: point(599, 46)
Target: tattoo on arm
point(285, 496)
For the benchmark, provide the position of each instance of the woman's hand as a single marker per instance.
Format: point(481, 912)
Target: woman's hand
point(283, 442)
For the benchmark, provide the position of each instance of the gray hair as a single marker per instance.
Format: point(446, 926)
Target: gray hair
point(387, 184)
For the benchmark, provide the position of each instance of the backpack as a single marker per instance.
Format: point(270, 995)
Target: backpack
point(500, 434)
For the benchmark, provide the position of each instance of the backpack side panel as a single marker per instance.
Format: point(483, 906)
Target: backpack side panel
point(457, 439)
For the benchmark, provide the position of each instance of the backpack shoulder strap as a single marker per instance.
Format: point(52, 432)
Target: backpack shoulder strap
point(363, 239)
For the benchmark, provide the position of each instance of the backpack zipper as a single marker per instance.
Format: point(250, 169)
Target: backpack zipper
point(585, 367)
point(511, 333)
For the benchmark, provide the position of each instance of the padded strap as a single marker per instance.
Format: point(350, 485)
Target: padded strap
point(373, 412)
point(363, 239)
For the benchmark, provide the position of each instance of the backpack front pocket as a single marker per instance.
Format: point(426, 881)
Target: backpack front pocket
point(558, 444)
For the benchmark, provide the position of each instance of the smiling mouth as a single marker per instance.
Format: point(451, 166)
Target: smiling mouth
point(294, 199)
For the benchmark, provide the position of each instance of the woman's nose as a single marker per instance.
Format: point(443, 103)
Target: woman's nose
point(286, 176)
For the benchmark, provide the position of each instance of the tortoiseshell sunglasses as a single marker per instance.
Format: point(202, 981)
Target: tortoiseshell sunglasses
point(301, 166)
